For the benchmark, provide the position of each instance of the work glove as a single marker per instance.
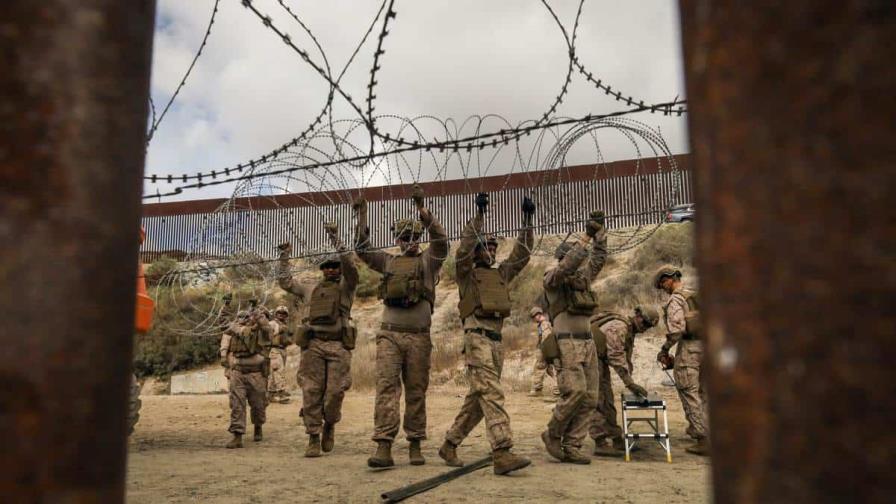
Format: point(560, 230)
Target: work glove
point(528, 207)
point(482, 202)
point(417, 196)
point(637, 389)
point(595, 223)
point(666, 360)
point(359, 205)
point(331, 228)
point(227, 298)
point(285, 249)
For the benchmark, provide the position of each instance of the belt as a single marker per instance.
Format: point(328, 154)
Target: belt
point(278, 347)
point(405, 329)
point(327, 336)
point(492, 335)
point(689, 337)
point(247, 369)
point(572, 335)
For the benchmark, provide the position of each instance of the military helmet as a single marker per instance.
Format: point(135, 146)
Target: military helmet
point(242, 316)
point(536, 310)
point(649, 314)
point(281, 309)
point(329, 260)
point(403, 227)
point(562, 250)
point(667, 270)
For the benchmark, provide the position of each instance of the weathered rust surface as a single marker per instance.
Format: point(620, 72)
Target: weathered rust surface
point(74, 79)
point(792, 128)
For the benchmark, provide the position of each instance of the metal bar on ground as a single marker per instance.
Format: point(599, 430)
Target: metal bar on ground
point(791, 110)
point(403, 493)
point(74, 81)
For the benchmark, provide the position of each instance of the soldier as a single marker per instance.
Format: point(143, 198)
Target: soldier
point(326, 339)
point(542, 367)
point(280, 339)
point(680, 313)
point(570, 304)
point(403, 346)
point(614, 338)
point(243, 348)
point(484, 304)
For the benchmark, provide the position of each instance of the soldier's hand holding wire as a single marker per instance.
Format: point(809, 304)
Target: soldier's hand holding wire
point(528, 210)
point(331, 228)
point(417, 196)
point(482, 202)
point(359, 205)
point(595, 226)
point(285, 249)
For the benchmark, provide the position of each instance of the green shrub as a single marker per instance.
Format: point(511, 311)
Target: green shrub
point(671, 243)
point(448, 273)
point(369, 281)
point(158, 269)
point(524, 290)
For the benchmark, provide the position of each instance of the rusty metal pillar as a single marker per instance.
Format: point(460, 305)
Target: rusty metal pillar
point(792, 120)
point(74, 81)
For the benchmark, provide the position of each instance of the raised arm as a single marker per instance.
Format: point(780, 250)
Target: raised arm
point(375, 259)
point(519, 256)
point(469, 238)
point(285, 279)
point(598, 256)
point(349, 269)
point(437, 252)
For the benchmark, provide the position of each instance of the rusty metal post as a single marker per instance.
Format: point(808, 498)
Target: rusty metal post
point(792, 119)
point(74, 81)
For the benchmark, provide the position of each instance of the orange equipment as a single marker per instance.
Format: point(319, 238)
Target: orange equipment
point(145, 304)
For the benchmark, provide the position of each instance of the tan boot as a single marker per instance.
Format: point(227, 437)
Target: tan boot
point(257, 435)
point(448, 452)
point(236, 442)
point(329, 439)
point(701, 447)
point(552, 445)
point(313, 448)
point(504, 461)
point(383, 455)
point(414, 454)
point(601, 448)
point(574, 456)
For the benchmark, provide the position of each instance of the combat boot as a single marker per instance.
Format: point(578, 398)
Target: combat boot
point(329, 438)
point(448, 452)
point(552, 445)
point(313, 448)
point(257, 435)
point(414, 454)
point(383, 455)
point(574, 456)
point(601, 448)
point(236, 442)
point(505, 462)
point(701, 447)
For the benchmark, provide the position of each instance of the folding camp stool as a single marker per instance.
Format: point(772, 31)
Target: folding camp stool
point(654, 403)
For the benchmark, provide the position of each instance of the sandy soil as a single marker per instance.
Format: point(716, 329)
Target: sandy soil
point(177, 455)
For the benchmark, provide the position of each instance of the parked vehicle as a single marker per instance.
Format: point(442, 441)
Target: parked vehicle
point(681, 213)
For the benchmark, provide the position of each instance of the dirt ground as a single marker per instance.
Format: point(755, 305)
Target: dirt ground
point(177, 455)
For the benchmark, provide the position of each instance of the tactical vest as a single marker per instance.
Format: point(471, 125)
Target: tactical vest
point(575, 297)
point(280, 338)
point(403, 283)
point(600, 339)
point(242, 344)
point(326, 306)
point(485, 295)
point(693, 328)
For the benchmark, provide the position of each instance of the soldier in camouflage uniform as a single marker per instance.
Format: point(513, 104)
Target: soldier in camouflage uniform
point(484, 304)
point(243, 350)
point(403, 345)
point(541, 367)
point(279, 341)
point(614, 337)
point(570, 302)
point(326, 338)
point(681, 315)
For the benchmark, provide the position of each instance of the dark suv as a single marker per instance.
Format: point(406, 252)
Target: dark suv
point(680, 213)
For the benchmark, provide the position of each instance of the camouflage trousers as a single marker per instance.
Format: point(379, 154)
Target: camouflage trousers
point(485, 399)
point(401, 358)
point(690, 386)
point(246, 387)
point(603, 424)
point(325, 374)
point(277, 379)
point(577, 379)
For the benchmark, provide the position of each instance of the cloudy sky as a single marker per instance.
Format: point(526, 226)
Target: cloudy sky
point(249, 92)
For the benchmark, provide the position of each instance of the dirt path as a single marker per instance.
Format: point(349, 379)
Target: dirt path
point(177, 455)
